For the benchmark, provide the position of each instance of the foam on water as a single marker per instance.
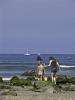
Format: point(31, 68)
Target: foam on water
point(66, 66)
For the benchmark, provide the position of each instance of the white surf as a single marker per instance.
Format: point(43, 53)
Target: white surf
point(66, 66)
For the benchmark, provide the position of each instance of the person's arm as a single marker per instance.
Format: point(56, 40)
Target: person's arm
point(36, 71)
point(44, 65)
point(58, 65)
point(50, 63)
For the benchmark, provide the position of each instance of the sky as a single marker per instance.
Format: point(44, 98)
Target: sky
point(42, 26)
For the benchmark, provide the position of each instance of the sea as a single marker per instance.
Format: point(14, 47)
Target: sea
point(16, 64)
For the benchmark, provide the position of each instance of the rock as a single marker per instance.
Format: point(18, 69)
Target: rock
point(72, 87)
point(5, 87)
point(9, 93)
point(50, 90)
point(67, 87)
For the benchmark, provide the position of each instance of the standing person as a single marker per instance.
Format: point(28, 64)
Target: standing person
point(54, 68)
point(40, 71)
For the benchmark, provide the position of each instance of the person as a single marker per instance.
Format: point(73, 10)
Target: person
point(54, 68)
point(40, 71)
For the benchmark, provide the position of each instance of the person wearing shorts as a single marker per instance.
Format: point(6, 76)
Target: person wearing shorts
point(54, 68)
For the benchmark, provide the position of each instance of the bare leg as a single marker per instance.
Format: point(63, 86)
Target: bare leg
point(52, 77)
point(54, 80)
point(41, 77)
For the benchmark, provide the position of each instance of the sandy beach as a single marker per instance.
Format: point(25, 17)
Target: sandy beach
point(25, 94)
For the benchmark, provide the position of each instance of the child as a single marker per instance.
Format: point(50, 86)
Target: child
point(40, 71)
point(54, 68)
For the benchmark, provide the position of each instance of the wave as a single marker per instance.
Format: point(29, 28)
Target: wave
point(66, 66)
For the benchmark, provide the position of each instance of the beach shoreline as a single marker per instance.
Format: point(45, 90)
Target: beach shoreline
point(18, 90)
point(24, 92)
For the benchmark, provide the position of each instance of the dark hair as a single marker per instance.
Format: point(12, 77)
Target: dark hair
point(54, 63)
point(51, 58)
point(39, 58)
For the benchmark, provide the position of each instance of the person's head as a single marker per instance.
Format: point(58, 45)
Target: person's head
point(39, 58)
point(51, 58)
point(54, 63)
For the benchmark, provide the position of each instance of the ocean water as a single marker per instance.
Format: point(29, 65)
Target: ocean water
point(14, 64)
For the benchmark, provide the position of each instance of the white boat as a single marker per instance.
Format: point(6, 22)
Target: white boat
point(27, 54)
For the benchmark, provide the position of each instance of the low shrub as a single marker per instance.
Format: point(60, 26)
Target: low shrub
point(14, 78)
point(40, 84)
point(19, 82)
point(61, 79)
point(71, 80)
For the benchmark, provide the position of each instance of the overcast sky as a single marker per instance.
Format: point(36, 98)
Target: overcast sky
point(42, 26)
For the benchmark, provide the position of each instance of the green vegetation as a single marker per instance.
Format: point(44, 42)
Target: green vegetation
point(71, 80)
point(19, 82)
point(2, 86)
point(61, 79)
point(64, 83)
point(1, 80)
point(64, 79)
point(41, 84)
point(14, 78)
